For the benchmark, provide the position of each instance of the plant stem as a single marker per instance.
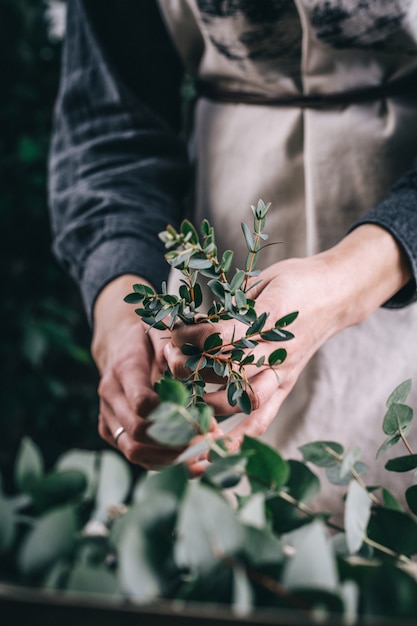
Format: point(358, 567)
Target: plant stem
point(405, 442)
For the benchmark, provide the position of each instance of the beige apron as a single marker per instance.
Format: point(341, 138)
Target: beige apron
point(321, 169)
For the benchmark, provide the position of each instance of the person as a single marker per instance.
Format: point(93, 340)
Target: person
point(311, 106)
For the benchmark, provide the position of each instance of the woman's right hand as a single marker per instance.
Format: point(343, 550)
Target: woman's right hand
point(129, 360)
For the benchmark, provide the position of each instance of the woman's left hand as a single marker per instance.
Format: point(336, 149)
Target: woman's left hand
point(331, 291)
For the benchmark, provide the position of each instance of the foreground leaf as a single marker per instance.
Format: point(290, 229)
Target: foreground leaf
point(356, 516)
point(52, 538)
point(266, 469)
point(402, 463)
point(411, 497)
point(394, 529)
point(398, 417)
point(322, 453)
point(29, 464)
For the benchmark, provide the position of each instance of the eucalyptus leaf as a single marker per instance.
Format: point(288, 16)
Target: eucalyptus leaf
point(173, 391)
point(172, 425)
point(302, 484)
point(402, 463)
point(356, 516)
point(140, 572)
point(244, 402)
point(212, 342)
point(237, 281)
point(172, 480)
point(349, 460)
point(277, 357)
point(286, 320)
point(85, 461)
point(314, 563)
point(400, 393)
point(51, 538)
point(257, 325)
point(226, 261)
point(394, 529)
point(133, 298)
point(207, 530)
point(248, 237)
point(322, 453)
point(252, 512)
point(28, 465)
point(7, 524)
point(216, 287)
point(390, 502)
point(57, 488)
point(397, 418)
point(226, 472)
point(266, 469)
point(243, 595)
point(113, 484)
point(200, 263)
point(411, 497)
point(387, 444)
point(334, 475)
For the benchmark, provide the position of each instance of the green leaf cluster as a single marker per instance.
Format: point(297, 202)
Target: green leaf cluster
point(195, 255)
point(86, 526)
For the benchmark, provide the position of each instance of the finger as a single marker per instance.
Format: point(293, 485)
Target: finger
point(257, 422)
point(148, 455)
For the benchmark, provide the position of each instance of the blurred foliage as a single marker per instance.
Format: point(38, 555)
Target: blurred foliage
point(48, 381)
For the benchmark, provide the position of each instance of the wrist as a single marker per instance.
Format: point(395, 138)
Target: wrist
point(111, 315)
point(368, 266)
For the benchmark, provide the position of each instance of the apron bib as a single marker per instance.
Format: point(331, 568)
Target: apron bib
point(321, 168)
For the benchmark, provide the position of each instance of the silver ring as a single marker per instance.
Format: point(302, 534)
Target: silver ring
point(117, 434)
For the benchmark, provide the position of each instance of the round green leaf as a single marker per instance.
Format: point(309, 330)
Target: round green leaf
point(52, 537)
point(29, 464)
point(7, 524)
point(302, 484)
point(394, 529)
point(402, 463)
point(356, 515)
point(172, 425)
point(320, 453)
point(397, 418)
point(277, 357)
point(170, 390)
point(212, 342)
point(286, 320)
point(84, 461)
point(390, 502)
point(266, 469)
point(411, 497)
point(114, 483)
point(207, 530)
point(400, 393)
point(225, 473)
point(57, 488)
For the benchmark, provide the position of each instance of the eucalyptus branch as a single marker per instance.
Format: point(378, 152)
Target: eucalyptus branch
point(196, 256)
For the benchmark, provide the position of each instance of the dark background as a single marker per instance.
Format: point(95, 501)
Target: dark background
point(48, 381)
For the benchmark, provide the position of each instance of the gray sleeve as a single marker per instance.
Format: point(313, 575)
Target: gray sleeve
point(397, 212)
point(118, 171)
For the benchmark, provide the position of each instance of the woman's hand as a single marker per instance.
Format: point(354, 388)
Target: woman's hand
point(129, 361)
point(331, 291)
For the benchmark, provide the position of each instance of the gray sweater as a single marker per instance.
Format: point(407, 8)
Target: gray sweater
point(119, 170)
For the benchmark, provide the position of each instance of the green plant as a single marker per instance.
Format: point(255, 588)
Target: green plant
point(87, 526)
point(197, 258)
point(84, 527)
